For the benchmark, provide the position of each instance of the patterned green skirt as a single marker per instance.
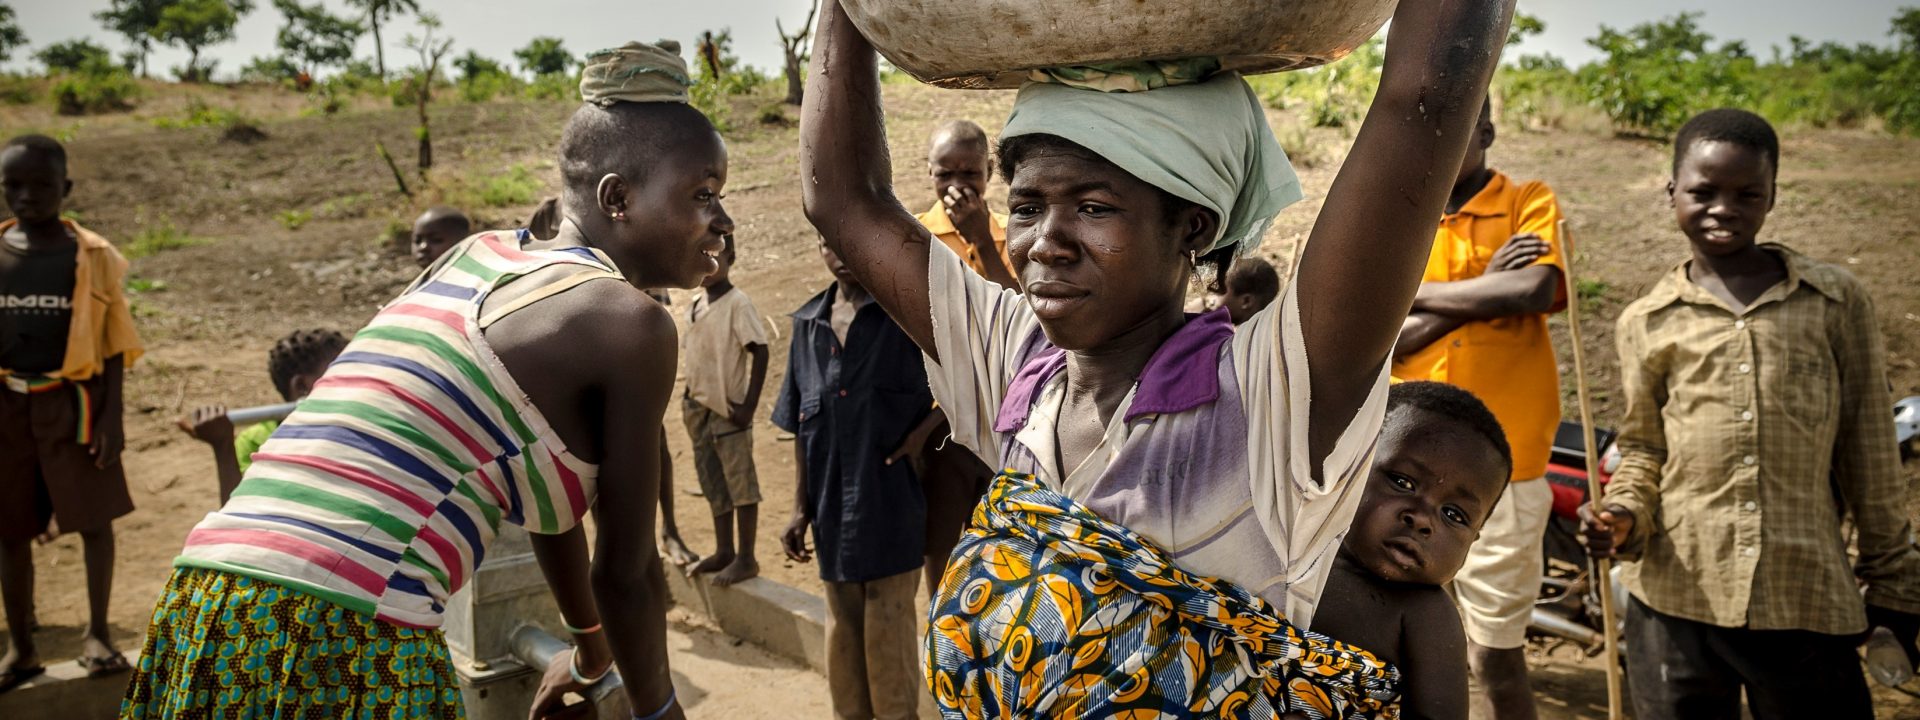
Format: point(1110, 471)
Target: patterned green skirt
point(226, 646)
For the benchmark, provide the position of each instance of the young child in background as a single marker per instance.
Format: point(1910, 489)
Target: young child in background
point(1757, 418)
point(855, 387)
point(296, 362)
point(437, 230)
point(1439, 469)
point(725, 355)
point(66, 338)
point(1252, 285)
point(957, 163)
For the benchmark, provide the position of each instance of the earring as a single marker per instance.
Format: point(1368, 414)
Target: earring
point(618, 215)
point(1193, 259)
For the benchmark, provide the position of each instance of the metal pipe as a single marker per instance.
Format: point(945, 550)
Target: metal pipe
point(260, 414)
point(1547, 623)
point(537, 649)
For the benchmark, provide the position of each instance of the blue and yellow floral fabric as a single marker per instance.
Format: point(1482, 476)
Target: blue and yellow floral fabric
point(1049, 611)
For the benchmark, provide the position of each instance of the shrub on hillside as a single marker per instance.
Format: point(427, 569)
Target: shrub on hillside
point(554, 86)
point(100, 89)
point(19, 90)
point(487, 86)
point(273, 70)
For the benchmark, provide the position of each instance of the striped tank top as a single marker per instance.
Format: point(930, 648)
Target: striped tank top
point(382, 491)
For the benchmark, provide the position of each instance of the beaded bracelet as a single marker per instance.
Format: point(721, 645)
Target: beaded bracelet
point(662, 712)
point(573, 669)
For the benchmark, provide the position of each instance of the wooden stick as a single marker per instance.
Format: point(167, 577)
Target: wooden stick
point(1603, 575)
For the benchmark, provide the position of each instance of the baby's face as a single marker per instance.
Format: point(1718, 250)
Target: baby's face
point(1433, 483)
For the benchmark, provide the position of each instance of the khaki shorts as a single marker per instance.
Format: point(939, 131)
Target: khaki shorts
point(722, 458)
point(1497, 585)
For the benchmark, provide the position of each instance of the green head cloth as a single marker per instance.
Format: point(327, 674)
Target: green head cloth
point(1206, 141)
point(635, 72)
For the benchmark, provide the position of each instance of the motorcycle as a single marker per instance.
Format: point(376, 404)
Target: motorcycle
point(1567, 609)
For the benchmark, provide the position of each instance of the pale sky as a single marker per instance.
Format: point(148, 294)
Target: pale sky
point(496, 27)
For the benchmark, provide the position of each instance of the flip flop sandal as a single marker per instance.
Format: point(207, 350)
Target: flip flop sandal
point(103, 666)
point(14, 678)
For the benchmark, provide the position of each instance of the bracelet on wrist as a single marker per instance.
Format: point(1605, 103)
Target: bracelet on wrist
point(588, 630)
point(573, 669)
point(657, 714)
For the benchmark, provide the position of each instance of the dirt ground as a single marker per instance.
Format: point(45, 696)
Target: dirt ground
point(212, 309)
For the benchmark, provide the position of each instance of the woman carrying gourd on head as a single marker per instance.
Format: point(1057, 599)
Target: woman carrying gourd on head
point(1177, 488)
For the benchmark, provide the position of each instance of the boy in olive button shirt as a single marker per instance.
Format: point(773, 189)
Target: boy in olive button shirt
point(1757, 416)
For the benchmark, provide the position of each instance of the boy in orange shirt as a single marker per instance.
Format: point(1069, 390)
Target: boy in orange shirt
point(1479, 322)
point(66, 336)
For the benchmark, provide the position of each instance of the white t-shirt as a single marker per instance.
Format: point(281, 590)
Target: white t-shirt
point(1218, 476)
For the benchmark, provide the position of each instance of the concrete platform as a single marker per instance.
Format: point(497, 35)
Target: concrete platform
point(66, 693)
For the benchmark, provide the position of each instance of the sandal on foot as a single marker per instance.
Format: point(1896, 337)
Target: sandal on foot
point(14, 678)
point(102, 666)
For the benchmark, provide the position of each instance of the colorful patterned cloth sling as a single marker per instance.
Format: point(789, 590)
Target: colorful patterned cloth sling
point(382, 491)
point(1048, 610)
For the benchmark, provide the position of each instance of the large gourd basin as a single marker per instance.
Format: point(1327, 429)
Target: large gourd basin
point(994, 43)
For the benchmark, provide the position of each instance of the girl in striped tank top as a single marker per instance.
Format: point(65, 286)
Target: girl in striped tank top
point(507, 385)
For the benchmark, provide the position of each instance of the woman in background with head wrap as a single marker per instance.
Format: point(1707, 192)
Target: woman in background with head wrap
point(1176, 489)
point(519, 382)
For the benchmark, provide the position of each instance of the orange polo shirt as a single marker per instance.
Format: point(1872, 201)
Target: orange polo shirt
point(942, 227)
point(1508, 362)
point(102, 324)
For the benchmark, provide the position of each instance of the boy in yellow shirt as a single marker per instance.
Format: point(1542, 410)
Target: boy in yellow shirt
point(1479, 322)
point(66, 337)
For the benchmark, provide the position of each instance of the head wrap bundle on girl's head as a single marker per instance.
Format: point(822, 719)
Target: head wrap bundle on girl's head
point(635, 72)
point(1176, 126)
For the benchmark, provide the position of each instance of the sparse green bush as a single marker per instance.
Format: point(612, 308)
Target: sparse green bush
point(269, 70)
point(19, 90)
point(293, 219)
point(100, 89)
point(516, 186)
point(140, 285)
point(487, 86)
point(554, 86)
point(200, 114)
point(1334, 95)
point(157, 238)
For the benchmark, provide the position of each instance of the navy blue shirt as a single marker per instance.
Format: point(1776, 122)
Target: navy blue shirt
point(849, 408)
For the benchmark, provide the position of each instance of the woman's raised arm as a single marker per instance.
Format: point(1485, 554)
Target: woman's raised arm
point(1363, 261)
point(846, 176)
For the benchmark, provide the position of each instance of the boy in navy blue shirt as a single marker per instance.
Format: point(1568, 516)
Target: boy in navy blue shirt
point(856, 399)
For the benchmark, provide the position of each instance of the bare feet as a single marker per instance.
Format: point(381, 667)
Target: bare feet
point(710, 563)
point(676, 551)
point(741, 568)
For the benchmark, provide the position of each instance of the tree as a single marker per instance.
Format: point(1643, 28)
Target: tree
point(797, 49)
point(544, 56)
point(473, 65)
point(314, 37)
point(195, 24)
point(10, 35)
point(431, 50)
point(1524, 26)
point(135, 20)
point(1906, 28)
point(379, 11)
point(73, 56)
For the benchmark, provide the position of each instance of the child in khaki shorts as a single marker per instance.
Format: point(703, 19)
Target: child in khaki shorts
point(66, 337)
point(725, 349)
